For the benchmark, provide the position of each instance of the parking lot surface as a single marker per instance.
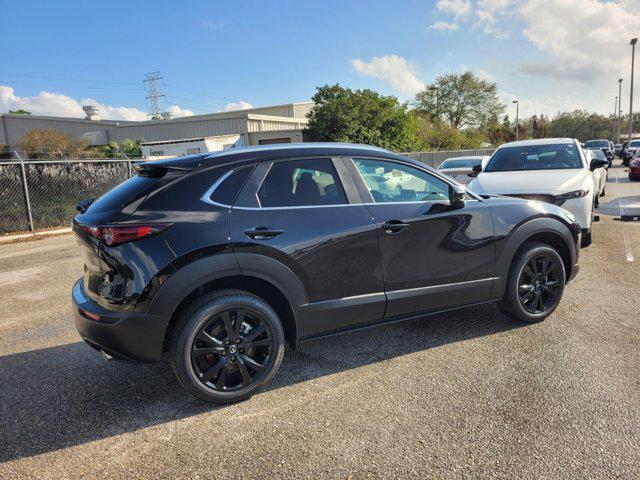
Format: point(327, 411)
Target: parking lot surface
point(463, 394)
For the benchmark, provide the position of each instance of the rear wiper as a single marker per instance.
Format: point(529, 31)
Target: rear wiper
point(84, 204)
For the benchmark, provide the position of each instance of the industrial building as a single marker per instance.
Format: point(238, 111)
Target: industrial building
point(174, 136)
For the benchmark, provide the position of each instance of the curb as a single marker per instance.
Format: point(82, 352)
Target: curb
point(22, 236)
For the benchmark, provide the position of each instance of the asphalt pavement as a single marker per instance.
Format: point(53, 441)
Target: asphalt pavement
point(457, 395)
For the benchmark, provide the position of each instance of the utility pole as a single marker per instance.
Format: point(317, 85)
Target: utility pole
point(633, 54)
point(151, 84)
point(517, 119)
point(619, 112)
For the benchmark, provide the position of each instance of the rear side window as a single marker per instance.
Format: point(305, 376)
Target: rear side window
point(227, 191)
point(124, 194)
point(302, 183)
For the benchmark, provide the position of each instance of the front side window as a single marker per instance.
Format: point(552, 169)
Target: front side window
point(298, 183)
point(535, 157)
point(396, 182)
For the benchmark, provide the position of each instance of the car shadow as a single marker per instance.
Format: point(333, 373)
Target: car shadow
point(620, 206)
point(68, 395)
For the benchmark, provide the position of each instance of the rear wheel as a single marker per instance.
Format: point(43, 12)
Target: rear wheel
point(535, 283)
point(227, 346)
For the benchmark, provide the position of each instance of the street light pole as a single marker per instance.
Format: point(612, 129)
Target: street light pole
point(619, 112)
point(633, 54)
point(517, 119)
point(615, 109)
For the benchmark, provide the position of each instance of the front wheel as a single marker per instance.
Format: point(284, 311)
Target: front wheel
point(535, 283)
point(227, 346)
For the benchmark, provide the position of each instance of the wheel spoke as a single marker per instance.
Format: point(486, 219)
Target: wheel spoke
point(246, 378)
point(255, 333)
point(228, 324)
point(536, 301)
point(251, 362)
point(221, 382)
point(212, 371)
point(199, 351)
point(529, 272)
point(240, 316)
point(525, 287)
point(208, 339)
point(543, 267)
point(265, 342)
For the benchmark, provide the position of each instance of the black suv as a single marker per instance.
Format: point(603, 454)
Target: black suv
point(221, 259)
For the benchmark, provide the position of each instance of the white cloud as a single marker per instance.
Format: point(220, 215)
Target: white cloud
point(548, 105)
point(394, 70)
point(443, 26)
point(457, 8)
point(59, 105)
point(584, 38)
point(241, 105)
point(216, 25)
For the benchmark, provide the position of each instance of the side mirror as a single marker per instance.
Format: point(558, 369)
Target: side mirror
point(456, 196)
point(597, 163)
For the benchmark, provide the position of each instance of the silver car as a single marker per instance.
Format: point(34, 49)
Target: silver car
point(461, 168)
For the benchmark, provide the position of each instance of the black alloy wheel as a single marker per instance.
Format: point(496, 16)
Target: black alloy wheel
point(226, 346)
point(231, 350)
point(539, 284)
point(535, 283)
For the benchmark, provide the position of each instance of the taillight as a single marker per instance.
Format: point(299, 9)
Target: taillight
point(115, 235)
point(92, 231)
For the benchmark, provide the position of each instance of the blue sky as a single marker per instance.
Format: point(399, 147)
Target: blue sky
point(552, 55)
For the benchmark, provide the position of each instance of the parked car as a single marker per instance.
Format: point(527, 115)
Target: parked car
point(552, 170)
point(221, 258)
point(617, 149)
point(600, 175)
point(634, 167)
point(605, 145)
point(632, 148)
point(461, 168)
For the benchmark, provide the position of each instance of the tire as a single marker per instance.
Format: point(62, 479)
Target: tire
point(208, 344)
point(518, 302)
point(587, 239)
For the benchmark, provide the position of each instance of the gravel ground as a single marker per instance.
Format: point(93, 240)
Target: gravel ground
point(466, 394)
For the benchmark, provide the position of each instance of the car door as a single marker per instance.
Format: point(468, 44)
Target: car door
point(434, 255)
point(306, 214)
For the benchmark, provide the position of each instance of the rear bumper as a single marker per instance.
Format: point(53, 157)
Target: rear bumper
point(128, 336)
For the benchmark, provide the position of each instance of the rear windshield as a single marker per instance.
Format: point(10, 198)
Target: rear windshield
point(535, 157)
point(635, 143)
point(596, 143)
point(124, 194)
point(598, 154)
point(461, 162)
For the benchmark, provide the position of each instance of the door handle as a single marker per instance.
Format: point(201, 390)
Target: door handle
point(394, 226)
point(263, 233)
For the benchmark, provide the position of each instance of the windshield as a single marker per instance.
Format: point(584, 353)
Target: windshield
point(535, 157)
point(598, 154)
point(635, 143)
point(596, 143)
point(461, 162)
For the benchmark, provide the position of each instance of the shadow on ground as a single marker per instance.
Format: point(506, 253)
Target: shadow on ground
point(67, 395)
point(621, 206)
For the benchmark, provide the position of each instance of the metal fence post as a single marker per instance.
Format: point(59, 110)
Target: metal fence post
point(25, 189)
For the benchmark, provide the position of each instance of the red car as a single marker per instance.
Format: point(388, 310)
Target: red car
point(634, 167)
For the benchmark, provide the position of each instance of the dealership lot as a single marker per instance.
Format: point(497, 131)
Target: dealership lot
point(457, 394)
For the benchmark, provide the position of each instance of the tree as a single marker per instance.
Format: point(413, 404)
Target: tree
point(462, 99)
point(439, 135)
point(126, 149)
point(20, 112)
point(362, 116)
point(581, 125)
point(51, 144)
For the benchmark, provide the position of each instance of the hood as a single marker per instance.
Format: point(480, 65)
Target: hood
point(552, 182)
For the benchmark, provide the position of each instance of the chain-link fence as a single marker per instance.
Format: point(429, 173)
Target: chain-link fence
point(41, 194)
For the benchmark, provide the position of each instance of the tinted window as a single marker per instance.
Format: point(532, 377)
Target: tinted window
point(302, 183)
point(598, 154)
point(461, 162)
point(396, 182)
point(226, 192)
point(596, 143)
point(634, 143)
point(535, 157)
point(124, 194)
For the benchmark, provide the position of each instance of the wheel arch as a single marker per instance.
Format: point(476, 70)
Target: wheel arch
point(548, 230)
point(277, 285)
